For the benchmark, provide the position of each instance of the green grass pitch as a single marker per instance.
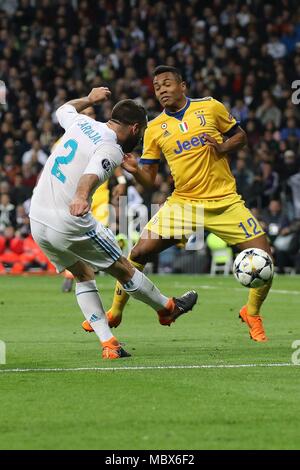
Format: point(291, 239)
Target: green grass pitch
point(152, 408)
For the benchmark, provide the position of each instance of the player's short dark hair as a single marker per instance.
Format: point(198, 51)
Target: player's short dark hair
point(129, 112)
point(168, 68)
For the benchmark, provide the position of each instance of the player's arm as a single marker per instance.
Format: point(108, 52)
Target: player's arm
point(237, 141)
point(227, 125)
point(96, 96)
point(68, 112)
point(120, 188)
point(81, 204)
point(146, 173)
point(100, 168)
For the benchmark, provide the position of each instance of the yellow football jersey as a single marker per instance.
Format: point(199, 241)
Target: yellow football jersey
point(198, 172)
point(100, 203)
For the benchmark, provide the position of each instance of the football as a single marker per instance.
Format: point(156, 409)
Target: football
point(253, 267)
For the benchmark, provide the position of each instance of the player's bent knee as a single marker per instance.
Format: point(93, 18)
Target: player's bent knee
point(139, 255)
point(82, 272)
point(121, 269)
point(134, 254)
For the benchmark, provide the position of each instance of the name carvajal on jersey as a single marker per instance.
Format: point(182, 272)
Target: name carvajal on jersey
point(88, 130)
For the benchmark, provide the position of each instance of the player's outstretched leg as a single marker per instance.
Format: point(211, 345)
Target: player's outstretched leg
point(91, 306)
point(250, 313)
point(147, 246)
point(137, 285)
point(120, 299)
point(139, 257)
point(168, 309)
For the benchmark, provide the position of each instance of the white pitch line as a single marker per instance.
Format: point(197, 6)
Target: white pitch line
point(239, 289)
point(130, 368)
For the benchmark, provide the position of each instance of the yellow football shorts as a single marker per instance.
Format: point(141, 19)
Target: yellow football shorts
point(228, 218)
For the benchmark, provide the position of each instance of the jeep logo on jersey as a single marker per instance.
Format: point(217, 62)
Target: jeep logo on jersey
point(106, 165)
point(188, 144)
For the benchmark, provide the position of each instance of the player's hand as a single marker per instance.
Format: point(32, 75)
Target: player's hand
point(213, 143)
point(79, 206)
point(130, 163)
point(119, 190)
point(99, 94)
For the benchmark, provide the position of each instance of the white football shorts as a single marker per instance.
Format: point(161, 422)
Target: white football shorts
point(97, 247)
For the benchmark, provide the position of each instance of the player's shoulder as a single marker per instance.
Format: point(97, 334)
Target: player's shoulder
point(204, 98)
point(109, 146)
point(109, 150)
point(207, 101)
point(157, 121)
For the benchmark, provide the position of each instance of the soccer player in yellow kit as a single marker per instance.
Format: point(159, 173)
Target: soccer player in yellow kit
point(195, 136)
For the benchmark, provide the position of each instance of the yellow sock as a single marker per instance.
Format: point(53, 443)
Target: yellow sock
point(256, 298)
point(120, 296)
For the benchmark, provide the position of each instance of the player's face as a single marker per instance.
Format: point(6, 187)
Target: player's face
point(134, 137)
point(168, 90)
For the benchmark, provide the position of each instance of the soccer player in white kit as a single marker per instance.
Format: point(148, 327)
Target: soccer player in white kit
point(63, 226)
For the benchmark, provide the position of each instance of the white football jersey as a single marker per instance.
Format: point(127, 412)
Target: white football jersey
point(87, 147)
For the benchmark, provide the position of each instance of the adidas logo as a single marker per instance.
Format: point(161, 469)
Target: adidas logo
point(94, 318)
point(166, 134)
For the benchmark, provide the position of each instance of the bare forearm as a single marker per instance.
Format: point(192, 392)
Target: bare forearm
point(144, 175)
point(87, 184)
point(81, 103)
point(96, 96)
point(80, 204)
point(234, 143)
point(144, 178)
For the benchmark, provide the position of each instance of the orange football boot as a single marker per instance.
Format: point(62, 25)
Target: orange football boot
point(176, 307)
point(254, 322)
point(113, 350)
point(87, 326)
point(113, 322)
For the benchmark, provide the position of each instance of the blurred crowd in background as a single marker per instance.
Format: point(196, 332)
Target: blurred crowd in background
point(244, 53)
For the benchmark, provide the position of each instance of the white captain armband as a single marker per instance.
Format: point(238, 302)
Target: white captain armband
point(121, 179)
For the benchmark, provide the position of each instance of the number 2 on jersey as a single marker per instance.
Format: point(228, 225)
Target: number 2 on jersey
point(64, 160)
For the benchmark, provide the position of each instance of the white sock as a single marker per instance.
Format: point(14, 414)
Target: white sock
point(91, 306)
point(141, 288)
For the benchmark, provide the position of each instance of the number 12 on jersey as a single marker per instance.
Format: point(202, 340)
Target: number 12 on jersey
point(253, 225)
point(64, 160)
